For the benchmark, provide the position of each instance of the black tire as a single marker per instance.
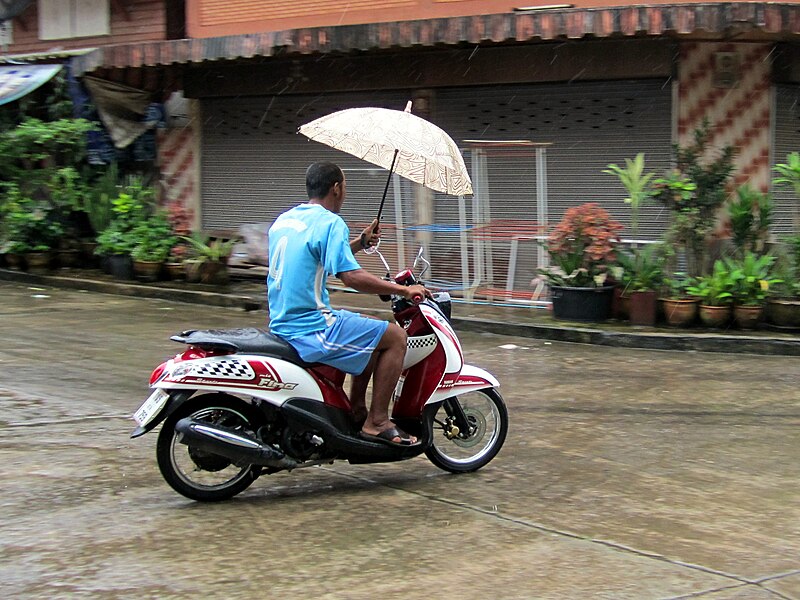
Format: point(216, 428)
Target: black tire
point(466, 452)
point(171, 454)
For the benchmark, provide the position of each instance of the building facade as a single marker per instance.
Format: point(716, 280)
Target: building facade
point(592, 83)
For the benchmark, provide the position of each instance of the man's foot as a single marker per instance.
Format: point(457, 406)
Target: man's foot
point(393, 436)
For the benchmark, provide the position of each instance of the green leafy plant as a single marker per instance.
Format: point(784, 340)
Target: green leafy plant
point(99, 197)
point(715, 289)
point(790, 176)
point(694, 193)
point(131, 209)
point(635, 182)
point(750, 213)
point(116, 239)
point(582, 247)
point(751, 278)
point(152, 239)
point(642, 269)
point(677, 285)
point(208, 249)
point(29, 225)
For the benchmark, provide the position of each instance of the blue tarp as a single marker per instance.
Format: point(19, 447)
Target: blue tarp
point(19, 80)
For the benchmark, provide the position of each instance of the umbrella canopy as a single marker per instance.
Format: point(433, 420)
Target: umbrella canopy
point(396, 140)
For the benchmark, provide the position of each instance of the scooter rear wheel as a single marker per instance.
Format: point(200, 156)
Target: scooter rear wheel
point(201, 475)
point(465, 451)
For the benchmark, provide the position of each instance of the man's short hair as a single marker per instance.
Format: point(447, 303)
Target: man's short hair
point(320, 177)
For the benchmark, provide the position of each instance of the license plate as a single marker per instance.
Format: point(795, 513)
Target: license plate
point(151, 407)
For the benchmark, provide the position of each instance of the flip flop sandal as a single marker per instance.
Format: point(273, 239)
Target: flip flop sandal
point(387, 436)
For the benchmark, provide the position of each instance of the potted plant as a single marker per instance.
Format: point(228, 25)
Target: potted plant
point(582, 251)
point(130, 209)
point(32, 228)
point(751, 280)
point(750, 214)
point(715, 292)
point(212, 255)
point(152, 242)
point(115, 244)
point(693, 194)
point(14, 252)
point(635, 182)
point(678, 306)
point(790, 176)
point(175, 261)
point(642, 273)
point(782, 305)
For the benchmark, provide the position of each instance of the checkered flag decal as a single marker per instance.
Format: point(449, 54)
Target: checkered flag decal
point(226, 368)
point(422, 341)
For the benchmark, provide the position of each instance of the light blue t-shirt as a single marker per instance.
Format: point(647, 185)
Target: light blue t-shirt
point(306, 245)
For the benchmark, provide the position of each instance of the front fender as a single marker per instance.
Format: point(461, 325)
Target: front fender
point(470, 379)
point(176, 399)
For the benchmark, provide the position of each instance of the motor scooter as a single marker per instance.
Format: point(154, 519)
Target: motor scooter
point(240, 403)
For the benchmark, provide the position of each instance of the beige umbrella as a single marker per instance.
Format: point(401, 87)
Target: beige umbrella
point(396, 140)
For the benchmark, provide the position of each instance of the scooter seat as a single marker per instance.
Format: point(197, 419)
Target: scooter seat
point(247, 340)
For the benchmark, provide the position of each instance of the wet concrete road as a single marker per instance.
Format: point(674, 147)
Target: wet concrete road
point(627, 474)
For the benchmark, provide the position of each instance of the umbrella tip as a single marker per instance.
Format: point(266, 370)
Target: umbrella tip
point(408, 107)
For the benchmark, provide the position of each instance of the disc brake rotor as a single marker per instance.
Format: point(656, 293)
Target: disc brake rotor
point(477, 422)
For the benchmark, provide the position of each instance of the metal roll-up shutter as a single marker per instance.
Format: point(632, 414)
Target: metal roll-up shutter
point(787, 139)
point(590, 125)
point(254, 162)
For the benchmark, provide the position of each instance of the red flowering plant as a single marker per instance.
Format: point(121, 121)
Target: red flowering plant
point(582, 248)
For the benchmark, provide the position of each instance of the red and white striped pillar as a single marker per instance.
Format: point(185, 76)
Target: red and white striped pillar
point(179, 160)
point(729, 83)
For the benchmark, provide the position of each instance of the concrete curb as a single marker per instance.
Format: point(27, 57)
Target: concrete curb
point(684, 341)
point(135, 289)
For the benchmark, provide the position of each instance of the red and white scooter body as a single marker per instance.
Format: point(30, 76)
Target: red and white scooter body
point(433, 371)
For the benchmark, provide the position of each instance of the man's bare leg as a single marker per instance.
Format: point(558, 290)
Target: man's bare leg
point(358, 390)
point(388, 358)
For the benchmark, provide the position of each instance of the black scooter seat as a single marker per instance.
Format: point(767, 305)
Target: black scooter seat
point(247, 340)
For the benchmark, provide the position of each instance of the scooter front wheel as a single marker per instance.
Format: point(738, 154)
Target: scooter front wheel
point(201, 475)
point(468, 431)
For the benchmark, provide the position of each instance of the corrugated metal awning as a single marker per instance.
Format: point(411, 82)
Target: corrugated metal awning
point(18, 80)
point(775, 19)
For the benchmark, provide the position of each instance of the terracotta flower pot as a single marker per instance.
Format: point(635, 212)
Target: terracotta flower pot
point(15, 262)
point(783, 312)
point(715, 316)
point(679, 312)
point(175, 270)
point(643, 308)
point(147, 270)
point(38, 262)
point(213, 272)
point(747, 316)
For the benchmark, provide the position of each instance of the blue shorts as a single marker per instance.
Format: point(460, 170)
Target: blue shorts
point(348, 344)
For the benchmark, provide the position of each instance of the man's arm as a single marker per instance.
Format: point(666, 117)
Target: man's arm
point(367, 283)
point(370, 236)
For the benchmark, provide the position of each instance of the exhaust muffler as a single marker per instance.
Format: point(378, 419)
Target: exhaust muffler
point(238, 448)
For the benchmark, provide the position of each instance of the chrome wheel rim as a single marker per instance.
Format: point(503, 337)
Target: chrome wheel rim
point(187, 462)
point(484, 417)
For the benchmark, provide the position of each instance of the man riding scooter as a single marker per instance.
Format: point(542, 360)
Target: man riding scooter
point(307, 244)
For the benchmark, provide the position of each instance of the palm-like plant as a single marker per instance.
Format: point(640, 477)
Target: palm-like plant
point(636, 183)
point(751, 278)
point(790, 175)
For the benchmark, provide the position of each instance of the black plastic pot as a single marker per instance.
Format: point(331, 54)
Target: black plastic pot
point(582, 304)
point(120, 266)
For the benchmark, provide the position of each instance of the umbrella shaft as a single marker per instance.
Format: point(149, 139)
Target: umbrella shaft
point(386, 189)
